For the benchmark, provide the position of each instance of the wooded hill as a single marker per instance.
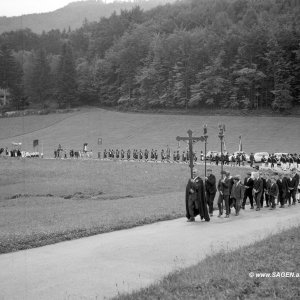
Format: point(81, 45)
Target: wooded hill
point(193, 53)
point(72, 15)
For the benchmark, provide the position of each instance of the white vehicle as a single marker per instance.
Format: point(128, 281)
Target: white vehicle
point(259, 155)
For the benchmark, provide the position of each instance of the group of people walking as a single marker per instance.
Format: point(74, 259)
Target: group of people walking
point(269, 189)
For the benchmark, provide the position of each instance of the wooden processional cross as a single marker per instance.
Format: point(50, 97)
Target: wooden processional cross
point(191, 140)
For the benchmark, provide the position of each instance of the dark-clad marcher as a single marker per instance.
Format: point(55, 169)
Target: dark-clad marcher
point(273, 192)
point(195, 200)
point(224, 193)
point(285, 188)
point(264, 180)
point(211, 189)
point(251, 159)
point(295, 184)
point(248, 185)
point(267, 184)
point(292, 188)
point(280, 198)
point(128, 154)
point(237, 193)
point(230, 198)
point(257, 189)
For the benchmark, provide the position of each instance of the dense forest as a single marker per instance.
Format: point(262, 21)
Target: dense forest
point(237, 54)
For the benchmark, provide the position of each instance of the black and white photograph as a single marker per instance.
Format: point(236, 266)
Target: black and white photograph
point(149, 149)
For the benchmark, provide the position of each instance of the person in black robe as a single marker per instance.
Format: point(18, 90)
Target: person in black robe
point(195, 200)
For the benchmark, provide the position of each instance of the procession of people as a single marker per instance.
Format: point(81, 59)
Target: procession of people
point(269, 189)
point(285, 161)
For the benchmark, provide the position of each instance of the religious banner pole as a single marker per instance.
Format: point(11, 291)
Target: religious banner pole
point(205, 146)
point(221, 136)
point(191, 140)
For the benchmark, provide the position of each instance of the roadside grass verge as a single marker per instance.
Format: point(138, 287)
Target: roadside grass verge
point(225, 275)
point(33, 222)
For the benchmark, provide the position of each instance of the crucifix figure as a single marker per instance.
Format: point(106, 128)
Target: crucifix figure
point(191, 140)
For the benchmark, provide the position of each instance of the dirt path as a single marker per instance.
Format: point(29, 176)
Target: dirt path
point(102, 266)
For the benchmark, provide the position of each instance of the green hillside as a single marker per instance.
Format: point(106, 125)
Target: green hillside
point(73, 15)
point(135, 130)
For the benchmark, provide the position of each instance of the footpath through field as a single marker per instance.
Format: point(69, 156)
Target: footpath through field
point(102, 266)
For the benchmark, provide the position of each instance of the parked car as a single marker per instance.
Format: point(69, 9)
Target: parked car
point(259, 155)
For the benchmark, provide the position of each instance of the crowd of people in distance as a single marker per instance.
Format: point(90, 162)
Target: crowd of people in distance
point(267, 189)
point(17, 153)
point(11, 153)
point(138, 154)
point(63, 153)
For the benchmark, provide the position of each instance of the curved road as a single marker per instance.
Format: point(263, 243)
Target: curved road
point(104, 265)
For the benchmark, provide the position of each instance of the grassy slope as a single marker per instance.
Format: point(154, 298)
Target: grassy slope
point(16, 127)
point(47, 201)
point(129, 130)
point(225, 275)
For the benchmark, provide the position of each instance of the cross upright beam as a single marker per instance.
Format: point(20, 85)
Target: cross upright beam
point(191, 140)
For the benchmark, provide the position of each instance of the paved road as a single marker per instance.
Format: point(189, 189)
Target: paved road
point(101, 266)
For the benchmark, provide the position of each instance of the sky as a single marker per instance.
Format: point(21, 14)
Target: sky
point(11, 8)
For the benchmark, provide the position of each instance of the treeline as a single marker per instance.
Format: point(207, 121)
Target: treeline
point(194, 53)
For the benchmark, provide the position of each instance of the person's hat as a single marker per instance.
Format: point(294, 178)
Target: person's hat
point(223, 172)
point(209, 170)
point(237, 177)
point(249, 173)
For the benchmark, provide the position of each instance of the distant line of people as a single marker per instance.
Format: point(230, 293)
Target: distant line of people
point(285, 161)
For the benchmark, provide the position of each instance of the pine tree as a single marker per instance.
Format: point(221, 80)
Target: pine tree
point(66, 78)
point(40, 81)
point(10, 75)
point(279, 68)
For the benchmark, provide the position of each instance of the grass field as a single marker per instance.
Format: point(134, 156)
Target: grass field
point(137, 130)
point(225, 275)
point(45, 201)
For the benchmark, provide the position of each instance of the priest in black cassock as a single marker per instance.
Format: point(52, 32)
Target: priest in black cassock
point(195, 200)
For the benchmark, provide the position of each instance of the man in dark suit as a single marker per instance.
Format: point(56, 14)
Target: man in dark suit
point(211, 189)
point(224, 187)
point(273, 192)
point(267, 188)
point(292, 183)
point(251, 159)
point(285, 189)
point(248, 184)
point(258, 189)
point(280, 198)
point(263, 178)
point(295, 184)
